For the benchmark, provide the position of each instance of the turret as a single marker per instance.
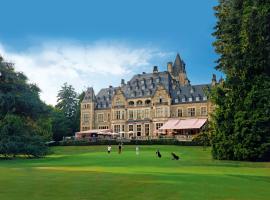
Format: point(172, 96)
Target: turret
point(179, 71)
point(123, 82)
point(155, 69)
point(88, 110)
point(214, 80)
point(170, 67)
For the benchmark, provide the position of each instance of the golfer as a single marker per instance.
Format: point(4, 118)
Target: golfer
point(137, 150)
point(109, 149)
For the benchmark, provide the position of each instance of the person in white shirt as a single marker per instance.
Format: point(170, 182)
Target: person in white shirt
point(109, 149)
point(137, 150)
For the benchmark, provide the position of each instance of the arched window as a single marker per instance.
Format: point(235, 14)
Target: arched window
point(131, 103)
point(147, 102)
point(139, 102)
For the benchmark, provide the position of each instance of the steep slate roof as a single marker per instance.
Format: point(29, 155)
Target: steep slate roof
point(145, 85)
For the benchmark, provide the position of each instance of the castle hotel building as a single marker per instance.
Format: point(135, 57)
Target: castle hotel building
point(142, 105)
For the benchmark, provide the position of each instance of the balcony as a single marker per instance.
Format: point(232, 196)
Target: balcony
point(161, 103)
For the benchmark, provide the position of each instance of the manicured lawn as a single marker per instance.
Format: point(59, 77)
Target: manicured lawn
point(76, 173)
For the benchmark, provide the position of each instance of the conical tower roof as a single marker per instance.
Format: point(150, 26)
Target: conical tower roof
point(177, 61)
point(89, 94)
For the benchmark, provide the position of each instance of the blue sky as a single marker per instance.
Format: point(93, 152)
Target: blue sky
point(98, 42)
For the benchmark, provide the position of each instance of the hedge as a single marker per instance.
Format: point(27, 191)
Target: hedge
point(130, 142)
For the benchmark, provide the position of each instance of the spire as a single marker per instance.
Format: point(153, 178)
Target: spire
point(179, 65)
point(214, 80)
point(177, 61)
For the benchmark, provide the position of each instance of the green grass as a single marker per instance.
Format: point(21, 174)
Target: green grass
point(76, 173)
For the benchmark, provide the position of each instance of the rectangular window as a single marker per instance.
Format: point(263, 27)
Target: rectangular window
point(139, 114)
point(109, 117)
point(139, 129)
point(191, 112)
point(158, 125)
point(100, 117)
point(130, 114)
point(147, 113)
point(123, 128)
point(117, 114)
point(86, 118)
point(103, 127)
point(116, 128)
point(159, 112)
point(130, 127)
point(146, 129)
point(179, 113)
point(203, 111)
point(123, 114)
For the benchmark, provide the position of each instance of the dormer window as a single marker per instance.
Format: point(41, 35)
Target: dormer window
point(143, 87)
point(190, 99)
point(183, 99)
point(192, 90)
point(197, 98)
point(176, 100)
point(205, 98)
point(178, 92)
point(157, 80)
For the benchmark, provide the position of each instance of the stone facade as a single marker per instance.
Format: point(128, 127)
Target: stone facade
point(143, 104)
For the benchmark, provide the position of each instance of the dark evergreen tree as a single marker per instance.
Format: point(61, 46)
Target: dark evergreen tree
point(68, 104)
point(241, 122)
point(67, 100)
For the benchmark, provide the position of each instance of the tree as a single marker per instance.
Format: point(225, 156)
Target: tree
point(65, 116)
point(241, 121)
point(24, 118)
point(67, 100)
point(60, 124)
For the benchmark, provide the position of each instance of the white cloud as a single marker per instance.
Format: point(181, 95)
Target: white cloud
point(98, 64)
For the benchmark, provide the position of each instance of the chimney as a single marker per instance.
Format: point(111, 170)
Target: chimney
point(122, 82)
point(169, 67)
point(155, 69)
point(214, 80)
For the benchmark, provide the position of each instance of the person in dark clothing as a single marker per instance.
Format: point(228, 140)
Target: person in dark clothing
point(174, 156)
point(120, 148)
point(158, 153)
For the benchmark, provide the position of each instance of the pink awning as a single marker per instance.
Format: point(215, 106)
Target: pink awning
point(184, 124)
point(170, 124)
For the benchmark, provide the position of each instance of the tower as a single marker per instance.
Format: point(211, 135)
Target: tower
point(170, 67)
point(178, 71)
point(88, 110)
point(214, 80)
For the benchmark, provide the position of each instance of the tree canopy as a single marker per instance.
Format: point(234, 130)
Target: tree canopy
point(241, 122)
point(24, 119)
